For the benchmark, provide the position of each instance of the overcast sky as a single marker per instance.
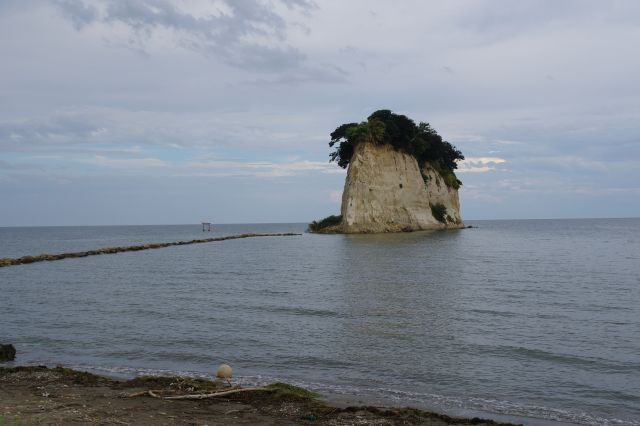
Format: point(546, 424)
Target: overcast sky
point(159, 112)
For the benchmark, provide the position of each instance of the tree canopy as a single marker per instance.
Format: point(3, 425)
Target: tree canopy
point(385, 127)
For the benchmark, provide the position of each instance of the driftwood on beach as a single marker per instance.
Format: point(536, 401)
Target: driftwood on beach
point(110, 250)
point(157, 393)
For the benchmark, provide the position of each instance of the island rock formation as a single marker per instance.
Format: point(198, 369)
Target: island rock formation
point(386, 191)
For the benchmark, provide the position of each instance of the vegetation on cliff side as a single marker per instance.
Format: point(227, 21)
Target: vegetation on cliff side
point(327, 222)
point(385, 127)
point(439, 211)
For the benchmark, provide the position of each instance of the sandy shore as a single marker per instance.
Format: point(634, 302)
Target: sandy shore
point(40, 395)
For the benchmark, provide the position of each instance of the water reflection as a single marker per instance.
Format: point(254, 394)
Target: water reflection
point(398, 301)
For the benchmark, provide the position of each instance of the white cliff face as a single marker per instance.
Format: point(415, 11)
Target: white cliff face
point(386, 192)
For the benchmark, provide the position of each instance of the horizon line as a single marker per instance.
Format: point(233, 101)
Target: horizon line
point(297, 223)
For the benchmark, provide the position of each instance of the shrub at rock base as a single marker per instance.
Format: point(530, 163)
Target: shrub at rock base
point(325, 223)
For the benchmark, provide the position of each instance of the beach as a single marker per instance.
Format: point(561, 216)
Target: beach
point(41, 395)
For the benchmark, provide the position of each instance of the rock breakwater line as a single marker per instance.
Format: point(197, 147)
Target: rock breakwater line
point(111, 250)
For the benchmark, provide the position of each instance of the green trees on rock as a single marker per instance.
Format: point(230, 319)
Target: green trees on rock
point(385, 127)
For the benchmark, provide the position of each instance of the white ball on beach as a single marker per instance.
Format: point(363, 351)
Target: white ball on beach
point(224, 371)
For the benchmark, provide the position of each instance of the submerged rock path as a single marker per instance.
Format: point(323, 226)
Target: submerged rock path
point(7, 261)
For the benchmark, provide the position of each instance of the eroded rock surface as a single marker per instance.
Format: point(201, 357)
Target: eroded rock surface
point(385, 191)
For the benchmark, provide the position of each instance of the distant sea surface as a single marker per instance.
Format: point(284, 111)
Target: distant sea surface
point(537, 320)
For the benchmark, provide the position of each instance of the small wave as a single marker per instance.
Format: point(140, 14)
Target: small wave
point(317, 362)
point(299, 311)
point(130, 372)
point(274, 292)
point(496, 313)
point(398, 397)
point(567, 359)
point(447, 403)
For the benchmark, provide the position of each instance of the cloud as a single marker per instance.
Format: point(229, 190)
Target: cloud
point(448, 70)
point(479, 164)
point(128, 163)
point(335, 196)
point(59, 128)
point(97, 127)
point(572, 162)
point(80, 13)
point(223, 168)
point(12, 166)
point(303, 76)
point(78, 166)
point(249, 34)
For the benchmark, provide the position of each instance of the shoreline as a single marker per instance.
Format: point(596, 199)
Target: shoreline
point(36, 394)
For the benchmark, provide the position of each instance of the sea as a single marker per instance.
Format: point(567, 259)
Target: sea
point(534, 321)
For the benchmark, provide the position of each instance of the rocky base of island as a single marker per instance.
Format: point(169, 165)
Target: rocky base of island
point(335, 225)
point(41, 395)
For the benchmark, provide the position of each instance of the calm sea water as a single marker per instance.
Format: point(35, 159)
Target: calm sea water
point(535, 319)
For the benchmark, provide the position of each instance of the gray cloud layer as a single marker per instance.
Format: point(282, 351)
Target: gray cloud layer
point(238, 97)
point(244, 33)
